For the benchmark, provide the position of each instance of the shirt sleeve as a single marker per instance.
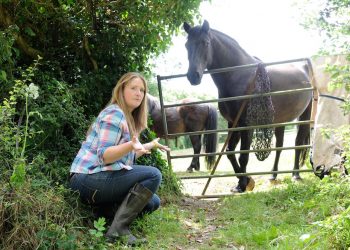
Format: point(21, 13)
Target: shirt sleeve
point(110, 131)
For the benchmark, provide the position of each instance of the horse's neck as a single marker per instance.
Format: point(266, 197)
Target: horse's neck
point(155, 110)
point(227, 52)
point(323, 78)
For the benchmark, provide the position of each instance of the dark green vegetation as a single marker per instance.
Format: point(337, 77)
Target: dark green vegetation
point(72, 52)
point(59, 61)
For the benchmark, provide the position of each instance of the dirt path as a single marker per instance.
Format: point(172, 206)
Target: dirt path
point(202, 230)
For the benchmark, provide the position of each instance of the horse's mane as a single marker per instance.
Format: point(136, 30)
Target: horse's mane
point(229, 40)
point(224, 36)
point(195, 31)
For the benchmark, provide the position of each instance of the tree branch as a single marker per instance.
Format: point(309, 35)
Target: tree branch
point(88, 52)
point(6, 21)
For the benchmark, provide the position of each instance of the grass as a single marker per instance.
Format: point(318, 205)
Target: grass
point(287, 217)
point(310, 214)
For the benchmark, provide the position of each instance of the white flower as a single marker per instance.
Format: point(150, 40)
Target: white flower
point(32, 91)
point(304, 237)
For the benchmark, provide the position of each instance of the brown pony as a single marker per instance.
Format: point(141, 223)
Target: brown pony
point(189, 118)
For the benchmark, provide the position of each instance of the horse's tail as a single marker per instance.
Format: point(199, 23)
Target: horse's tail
point(303, 136)
point(210, 140)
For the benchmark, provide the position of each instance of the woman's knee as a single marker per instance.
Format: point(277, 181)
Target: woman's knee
point(155, 179)
point(152, 205)
point(150, 177)
point(157, 175)
point(156, 202)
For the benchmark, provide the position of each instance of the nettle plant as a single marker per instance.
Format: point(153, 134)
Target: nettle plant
point(15, 126)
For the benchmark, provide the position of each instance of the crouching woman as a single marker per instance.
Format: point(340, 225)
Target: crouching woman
point(104, 173)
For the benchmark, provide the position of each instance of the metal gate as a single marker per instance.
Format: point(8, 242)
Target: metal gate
point(234, 128)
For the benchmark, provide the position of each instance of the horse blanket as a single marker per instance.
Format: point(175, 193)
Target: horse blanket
point(326, 150)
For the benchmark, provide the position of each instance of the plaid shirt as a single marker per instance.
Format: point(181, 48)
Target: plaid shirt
point(110, 128)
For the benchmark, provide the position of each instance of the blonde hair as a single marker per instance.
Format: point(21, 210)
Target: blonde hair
point(137, 119)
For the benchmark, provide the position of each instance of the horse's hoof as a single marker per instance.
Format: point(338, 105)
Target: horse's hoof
point(297, 178)
point(272, 178)
point(274, 181)
point(189, 170)
point(251, 184)
point(236, 190)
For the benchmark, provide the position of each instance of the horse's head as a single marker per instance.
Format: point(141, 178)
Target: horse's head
point(152, 104)
point(199, 51)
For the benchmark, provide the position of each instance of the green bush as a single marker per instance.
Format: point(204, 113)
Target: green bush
point(171, 185)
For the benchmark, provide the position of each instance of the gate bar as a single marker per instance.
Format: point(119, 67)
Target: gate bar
point(273, 125)
point(242, 97)
point(242, 151)
point(165, 125)
point(221, 70)
point(245, 174)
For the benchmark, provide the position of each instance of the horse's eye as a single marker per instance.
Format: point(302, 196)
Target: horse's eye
point(205, 43)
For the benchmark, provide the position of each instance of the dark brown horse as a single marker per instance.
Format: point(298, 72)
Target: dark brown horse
point(210, 49)
point(190, 118)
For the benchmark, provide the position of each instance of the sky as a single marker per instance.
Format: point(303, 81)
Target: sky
point(268, 29)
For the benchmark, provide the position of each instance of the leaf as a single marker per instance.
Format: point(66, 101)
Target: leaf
point(3, 75)
point(29, 31)
point(18, 176)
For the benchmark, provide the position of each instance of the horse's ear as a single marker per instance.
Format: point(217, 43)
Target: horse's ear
point(205, 26)
point(187, 27)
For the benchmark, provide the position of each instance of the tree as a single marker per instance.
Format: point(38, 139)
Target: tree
point(85, 46)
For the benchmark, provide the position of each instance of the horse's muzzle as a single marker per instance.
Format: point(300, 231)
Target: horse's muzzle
point(320, 171)
point(194, 77)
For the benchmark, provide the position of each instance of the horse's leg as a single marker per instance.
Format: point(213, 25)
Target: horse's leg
point(246, 140)
point(197, 145)
point(279, 134)
point(231, 146)
point(303, 138)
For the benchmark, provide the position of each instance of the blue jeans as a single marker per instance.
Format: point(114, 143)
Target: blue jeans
point(111, 187)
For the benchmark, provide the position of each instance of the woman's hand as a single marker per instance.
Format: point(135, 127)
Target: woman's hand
point(156, 144)
point(138, 147)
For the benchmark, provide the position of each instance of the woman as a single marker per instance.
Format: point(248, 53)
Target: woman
point(104, 172)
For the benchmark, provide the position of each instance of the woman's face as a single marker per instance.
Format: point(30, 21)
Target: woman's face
point(134, 92)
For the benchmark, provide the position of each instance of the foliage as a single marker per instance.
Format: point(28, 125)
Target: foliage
point(37, 215)
point(331, 19)
point(14, 135)
point(340, 77)
point(171, 188)
point(85, 46)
